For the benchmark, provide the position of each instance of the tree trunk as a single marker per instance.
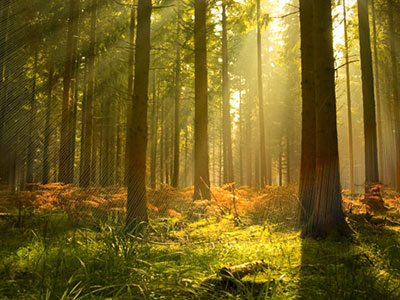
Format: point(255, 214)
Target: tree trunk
point(30, 159)
point(4, 156)
point(378, 94)
point(162, 141)
point(367, 77)
point(263, 159)
point(327, 214)
point(308, 137)
point(131, 62)
point(137, 127)
point(241, 119)
point(86, 176)
point(201, 160)
point(154, 135)
point(175, 179)
point(48, 129)
point(349, 116)
point(67, 105)
point(227, 130)
point(395, 89)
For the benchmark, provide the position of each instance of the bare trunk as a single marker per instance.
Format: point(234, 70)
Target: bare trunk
point(86, 175)
point(327, 214)
point(201, 160)
point(349, 116)
point(377, 94)
point(67, 106)
point(227, 131)
point(175, 179)
point(395, 89)
point(367, 78)
point(263, 159)
point(30, 159)
point(137, 127)
point(48, 129)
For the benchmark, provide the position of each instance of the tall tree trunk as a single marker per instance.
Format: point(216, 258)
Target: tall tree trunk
point(48, 129)
point(162, 141)
point(201, 160)
point(367, 77)
point(106, 148)
point(395, 89)
point(4, 157)
point(288, 157)
point(263, 159)
point(175, 179)
point(86, 176)
point(137, 127)
point(154, 134)
point(349, 116)
point(227, 130)
point(67, 105)
point(131, 62)
point(327, 212)
point(30, 159)
point(186, 157)
point(74, 119)
point(249, 142)
point(241, 120)
point(377, 93)
point(308, 136)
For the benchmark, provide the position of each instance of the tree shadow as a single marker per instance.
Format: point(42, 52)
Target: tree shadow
point(344, 269)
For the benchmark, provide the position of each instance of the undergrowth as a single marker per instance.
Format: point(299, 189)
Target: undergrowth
point(55, 254)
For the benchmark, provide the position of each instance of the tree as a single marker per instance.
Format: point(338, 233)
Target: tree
point(86, 175)
point(308, 138)
point(263, 159)
point(227, 130)
point(201, 159)
point(367, 78)
point(177, 128)
point(349, 115)
point(65, 156)
point(136, 137)
point(327, 214)
point(48, 128)
point(31, 136)
point(395, 89)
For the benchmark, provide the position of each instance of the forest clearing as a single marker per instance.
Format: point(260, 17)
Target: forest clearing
point(199, 149)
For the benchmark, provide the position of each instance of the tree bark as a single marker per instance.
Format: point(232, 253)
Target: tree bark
point(131, 62)
point(4, 156)
point(177, 128)
point(201, 160)
point(348, 90)
point(395, 89)
point(367, 77)
point(308, 137)
point(377, 93)
point(137, 127)
point(263, 159)
point(227, 130)
point(30, 159)
point(48, 129)
point(67, 105)
point(154, 134)
point(327, 213)
point(86, 176)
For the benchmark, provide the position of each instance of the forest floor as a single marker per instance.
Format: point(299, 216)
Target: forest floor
point(78, 252)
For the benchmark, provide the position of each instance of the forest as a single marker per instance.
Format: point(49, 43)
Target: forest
point(205, 149)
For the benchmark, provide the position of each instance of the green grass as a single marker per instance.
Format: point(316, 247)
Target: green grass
point(51, 258)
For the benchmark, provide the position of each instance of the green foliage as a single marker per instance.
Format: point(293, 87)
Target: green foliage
point(50, 258)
